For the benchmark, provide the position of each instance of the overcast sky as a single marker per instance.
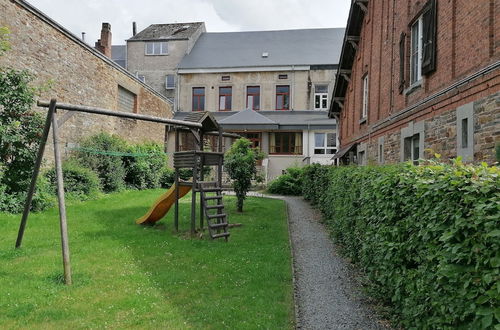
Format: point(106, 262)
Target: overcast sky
point(219, 15)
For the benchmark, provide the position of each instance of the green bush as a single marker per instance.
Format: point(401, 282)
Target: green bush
point(167, 177)
point(427, 237)
point(289, 183)
point(143, 172)
point(103, 154)
point(79, 182)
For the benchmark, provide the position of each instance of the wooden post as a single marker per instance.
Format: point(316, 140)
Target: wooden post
point(176, 182)
point(219, 167)
point(36, 171)
point(202, 177)
point(62, 204)
point(193, 195)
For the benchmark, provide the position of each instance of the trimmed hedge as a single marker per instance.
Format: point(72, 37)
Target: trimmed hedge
point(428, 237)
point(289, 183)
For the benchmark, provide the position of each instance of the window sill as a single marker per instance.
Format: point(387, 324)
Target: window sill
point(156, 54)
point(413, 88)
point(362, 121)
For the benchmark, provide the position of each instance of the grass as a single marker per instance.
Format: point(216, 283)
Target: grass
point(129, 276)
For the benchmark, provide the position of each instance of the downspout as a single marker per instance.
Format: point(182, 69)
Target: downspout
point(292, 104)
point(178, 90)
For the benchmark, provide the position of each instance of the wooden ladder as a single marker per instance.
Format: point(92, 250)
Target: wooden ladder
point(217, 222)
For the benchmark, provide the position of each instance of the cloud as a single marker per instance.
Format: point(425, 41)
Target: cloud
point(219, 15)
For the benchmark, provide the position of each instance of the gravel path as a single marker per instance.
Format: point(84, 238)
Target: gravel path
point(326, 297)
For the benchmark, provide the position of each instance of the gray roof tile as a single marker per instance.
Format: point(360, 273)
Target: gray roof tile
point(173, 31)
point(245, 49)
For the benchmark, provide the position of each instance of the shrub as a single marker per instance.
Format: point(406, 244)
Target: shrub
point(167, 177)
point(103, 153)
point(426, 236)
point(144, 169)
point(20, 129)
point(240, 165)
point(289, 183)
point(79, 182)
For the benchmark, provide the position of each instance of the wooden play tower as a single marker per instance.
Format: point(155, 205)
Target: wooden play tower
point(211, 203)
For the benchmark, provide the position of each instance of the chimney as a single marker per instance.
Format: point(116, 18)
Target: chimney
point(134, 29)
point(104, 44)
point(83, 36)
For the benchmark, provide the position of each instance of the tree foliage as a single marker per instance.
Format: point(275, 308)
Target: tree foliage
point(240, 165)
point(20, 133)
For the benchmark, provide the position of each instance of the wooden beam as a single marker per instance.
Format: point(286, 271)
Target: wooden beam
point(362, 4)
point(36, 170)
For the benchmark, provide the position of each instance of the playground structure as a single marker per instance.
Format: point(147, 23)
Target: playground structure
point(198, 124)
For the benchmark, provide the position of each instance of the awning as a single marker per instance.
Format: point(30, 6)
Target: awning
point(343, 151)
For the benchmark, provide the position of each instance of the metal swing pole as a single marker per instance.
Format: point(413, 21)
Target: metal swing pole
point(36, 171)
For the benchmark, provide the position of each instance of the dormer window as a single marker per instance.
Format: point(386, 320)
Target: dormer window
point(157, 48)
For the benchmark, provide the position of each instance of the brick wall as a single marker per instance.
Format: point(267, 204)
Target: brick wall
point(468, 36)
point(78, 75)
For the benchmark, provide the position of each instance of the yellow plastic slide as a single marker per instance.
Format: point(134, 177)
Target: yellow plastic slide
point(162, 205)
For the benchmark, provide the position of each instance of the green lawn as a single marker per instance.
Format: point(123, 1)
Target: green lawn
point(130, 276)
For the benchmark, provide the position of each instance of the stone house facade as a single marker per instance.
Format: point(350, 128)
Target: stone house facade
point(418, 78)
point(79, 74)
point(271, 86)
point(154, 53)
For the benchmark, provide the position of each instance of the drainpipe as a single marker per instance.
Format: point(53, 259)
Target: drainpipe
point(177, 89)
point(292, 104)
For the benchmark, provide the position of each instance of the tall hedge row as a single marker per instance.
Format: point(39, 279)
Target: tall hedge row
point(428, 237)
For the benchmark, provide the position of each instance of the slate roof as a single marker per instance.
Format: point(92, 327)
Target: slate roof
point(248, 116)
point(269, 120)
point(119, 55)
point(174, 31)
point(245, 49)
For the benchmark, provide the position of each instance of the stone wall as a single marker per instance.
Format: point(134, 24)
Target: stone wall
point(441, 135)
point(467, 43)
point(301, 87)
point(77, 74)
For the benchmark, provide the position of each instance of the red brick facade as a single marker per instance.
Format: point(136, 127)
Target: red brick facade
point(467, 72)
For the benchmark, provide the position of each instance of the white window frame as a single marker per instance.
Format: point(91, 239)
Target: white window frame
point(163, 48)
point(325, 146)
point(366, 100)
point(417, 30)
point(322, 97)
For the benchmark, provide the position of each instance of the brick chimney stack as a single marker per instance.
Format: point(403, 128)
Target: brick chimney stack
point(104, 44)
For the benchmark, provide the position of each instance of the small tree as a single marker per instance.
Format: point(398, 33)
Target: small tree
point(240, 165)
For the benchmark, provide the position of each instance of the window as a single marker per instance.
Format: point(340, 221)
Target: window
point(361, 158)
point(285, 143)
point(283, 97)
point(282, 76)
point(465, 136)
point(198, 98)
point(416, 51)
point(321, 97)
point(126, 100)
point(325, 143)
point(156, 48)
point(423, 43)
point(365, 97)
point(465, 132)
point(225, 78)
point(254, 137)
point(412, 148)
point(170, 81)
point(225, 96)
point(253, 97)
